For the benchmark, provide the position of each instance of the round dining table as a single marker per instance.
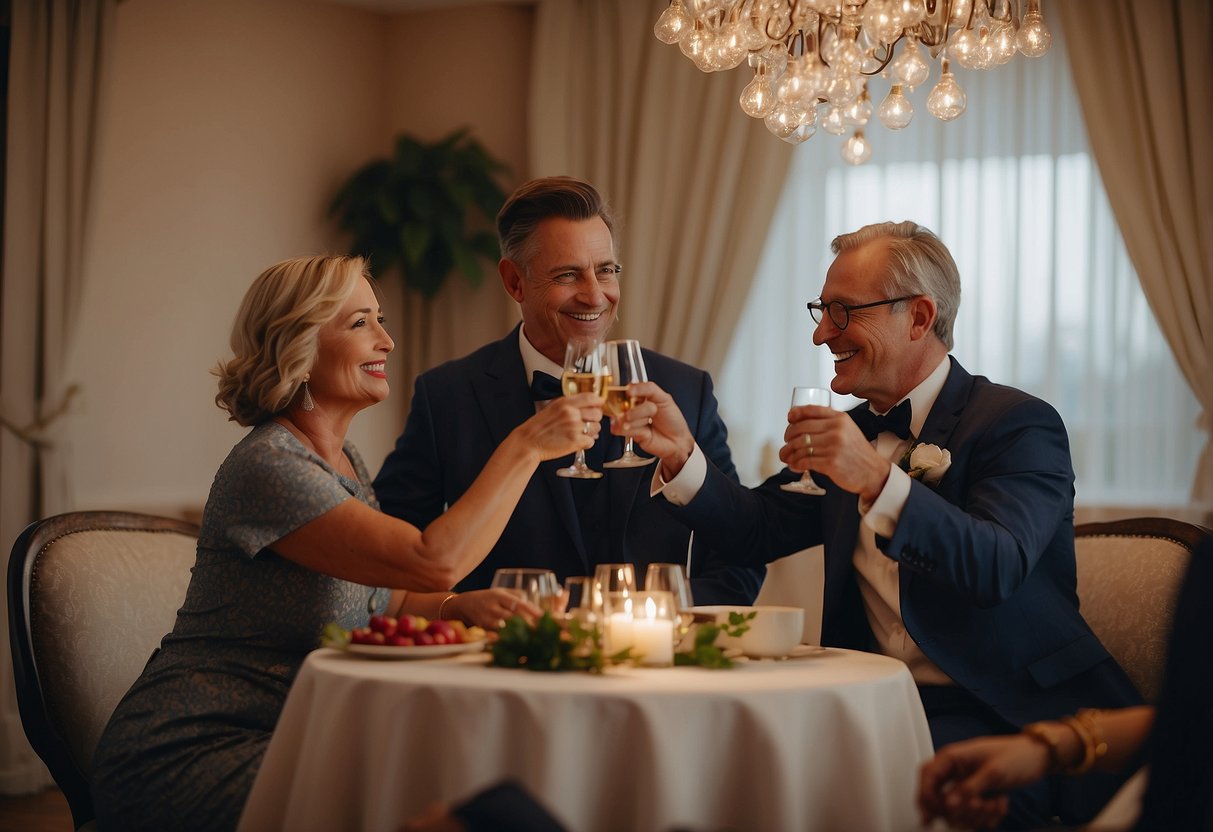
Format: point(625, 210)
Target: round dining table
point(824, 740)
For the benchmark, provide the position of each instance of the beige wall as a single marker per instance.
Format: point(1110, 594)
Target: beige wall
point(230, 124)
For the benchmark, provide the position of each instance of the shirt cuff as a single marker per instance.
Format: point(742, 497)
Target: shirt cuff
point(683, 488)
point(882, 514)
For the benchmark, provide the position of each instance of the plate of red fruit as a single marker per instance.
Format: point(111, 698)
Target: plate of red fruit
point(407, 637)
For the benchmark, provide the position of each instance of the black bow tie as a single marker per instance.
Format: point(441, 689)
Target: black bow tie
point(544, 387)
point(895, 421)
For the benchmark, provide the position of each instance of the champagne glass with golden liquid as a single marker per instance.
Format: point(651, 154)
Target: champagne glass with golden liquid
point(625, 365)
point(584, 372)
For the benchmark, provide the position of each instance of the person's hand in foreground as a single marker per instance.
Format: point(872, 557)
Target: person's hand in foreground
point(966, 782)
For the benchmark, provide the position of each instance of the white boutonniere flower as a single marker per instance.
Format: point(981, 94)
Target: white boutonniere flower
point(928, 463)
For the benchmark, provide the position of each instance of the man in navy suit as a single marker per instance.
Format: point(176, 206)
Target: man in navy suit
point(962, 566)
point(559, 262)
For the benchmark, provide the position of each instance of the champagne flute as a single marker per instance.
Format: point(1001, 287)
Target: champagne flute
point(583, 373)
point(625, 364)
point(802, 396)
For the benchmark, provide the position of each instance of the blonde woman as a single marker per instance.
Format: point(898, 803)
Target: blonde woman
point(292, 538)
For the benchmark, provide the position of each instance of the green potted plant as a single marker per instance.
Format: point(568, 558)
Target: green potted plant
point(418, 210)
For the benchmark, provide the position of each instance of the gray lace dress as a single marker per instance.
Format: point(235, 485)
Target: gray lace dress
point(182, 748)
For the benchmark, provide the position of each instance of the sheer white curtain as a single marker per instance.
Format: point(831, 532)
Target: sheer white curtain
point(1050, 302)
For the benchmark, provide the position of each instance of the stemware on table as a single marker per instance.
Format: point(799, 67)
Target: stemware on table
point(538, 587)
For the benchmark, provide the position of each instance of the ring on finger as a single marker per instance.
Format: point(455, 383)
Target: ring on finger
point(808, 440)
point(585, 428)
point(649, 421)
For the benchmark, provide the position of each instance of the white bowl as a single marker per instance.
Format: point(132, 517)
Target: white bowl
point(773, 632)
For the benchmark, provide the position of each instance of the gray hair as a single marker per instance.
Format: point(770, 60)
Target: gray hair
point(919, 264)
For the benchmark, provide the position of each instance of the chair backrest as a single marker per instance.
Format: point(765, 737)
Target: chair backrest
point(90, 595)
point(1129, 572)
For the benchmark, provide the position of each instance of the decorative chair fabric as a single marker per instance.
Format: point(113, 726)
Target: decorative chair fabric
point(1129, 573)
point(91, 594)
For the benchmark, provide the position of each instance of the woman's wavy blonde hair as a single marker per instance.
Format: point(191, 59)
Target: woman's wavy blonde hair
point(274, 338)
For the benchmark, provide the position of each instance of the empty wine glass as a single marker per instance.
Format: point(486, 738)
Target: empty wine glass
point(584, 372)
point(580, 601)
point(538, 587)
point(615, 577)
point(625, 365)
point(672, 578)
point(802, 396)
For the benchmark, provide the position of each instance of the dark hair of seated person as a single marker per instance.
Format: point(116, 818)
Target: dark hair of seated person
point(1180, 791)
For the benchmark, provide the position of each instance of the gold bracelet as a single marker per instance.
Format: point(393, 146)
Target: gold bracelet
point(403, 599)
point(1086, 725)
point(1047, 734)
point(442, 605)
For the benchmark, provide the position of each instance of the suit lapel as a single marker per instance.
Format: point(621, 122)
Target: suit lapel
point(949, 406)
point(505, 402)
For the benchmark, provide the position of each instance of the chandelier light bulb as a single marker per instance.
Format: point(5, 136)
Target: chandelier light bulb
point(947, 101)
point(784, 119)
point(895, 111)
point(859, 112)
point(755, 33)
point(910, 12)
point(758, 99)
point(834, 123)
point(1004, 42)
point(694, 42)
point(1034, 38)
point(910, 67)
point(805, 130)
point(962, 47)
point(673, 23)
point(857, 149)
point(881, 20)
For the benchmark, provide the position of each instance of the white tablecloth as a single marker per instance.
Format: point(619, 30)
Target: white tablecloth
point(830, 741)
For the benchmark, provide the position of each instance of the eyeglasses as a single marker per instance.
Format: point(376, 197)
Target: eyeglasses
point(840, 313)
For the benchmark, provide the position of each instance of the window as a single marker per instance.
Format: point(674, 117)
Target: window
point(1050, 302)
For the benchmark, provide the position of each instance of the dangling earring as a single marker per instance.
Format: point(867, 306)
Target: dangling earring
point(308, 403)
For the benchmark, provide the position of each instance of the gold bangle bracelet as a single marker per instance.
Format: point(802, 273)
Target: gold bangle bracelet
point(442, 605)
point(1046, 733)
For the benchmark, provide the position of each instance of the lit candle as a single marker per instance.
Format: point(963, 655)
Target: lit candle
point(620, 631)
point(653, 639)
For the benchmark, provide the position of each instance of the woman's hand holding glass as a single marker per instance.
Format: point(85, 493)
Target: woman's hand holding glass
point(488, 608)
point(534, 590)
point(585, 373)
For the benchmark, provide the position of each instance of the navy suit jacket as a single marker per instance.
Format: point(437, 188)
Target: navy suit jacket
point(461, 412)
point(987, 574)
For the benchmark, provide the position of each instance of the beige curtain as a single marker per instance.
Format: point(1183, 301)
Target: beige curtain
point(694, 180)
point(56, 75)
point(1144, 74)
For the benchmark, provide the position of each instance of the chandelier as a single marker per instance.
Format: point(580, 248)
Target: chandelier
point(813, 59)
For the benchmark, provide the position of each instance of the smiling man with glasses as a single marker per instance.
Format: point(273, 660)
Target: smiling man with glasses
point(963, 569)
